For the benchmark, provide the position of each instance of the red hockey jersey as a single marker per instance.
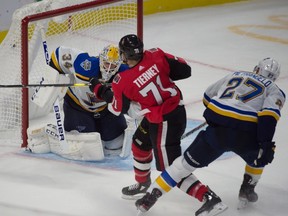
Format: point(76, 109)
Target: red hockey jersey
point(150, 83)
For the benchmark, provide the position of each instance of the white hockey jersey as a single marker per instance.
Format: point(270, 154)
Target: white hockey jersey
point(81, 67)
point(239, 99)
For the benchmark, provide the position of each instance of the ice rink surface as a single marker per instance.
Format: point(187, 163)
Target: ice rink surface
point(215, 41)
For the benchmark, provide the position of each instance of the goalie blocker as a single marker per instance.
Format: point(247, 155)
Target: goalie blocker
point(81, 146)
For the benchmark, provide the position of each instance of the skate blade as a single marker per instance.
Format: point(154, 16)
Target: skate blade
point(242, 204)
point(134, 197)
point(140, 213)
point(217, 209)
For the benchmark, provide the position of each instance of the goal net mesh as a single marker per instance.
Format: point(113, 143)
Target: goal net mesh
point(89, 29)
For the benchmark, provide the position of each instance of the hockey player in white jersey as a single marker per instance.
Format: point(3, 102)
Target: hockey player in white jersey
point(84, 114)
point(242, 110)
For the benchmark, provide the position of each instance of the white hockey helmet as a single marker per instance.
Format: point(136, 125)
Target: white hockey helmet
point(268, 68)
point(109, 62)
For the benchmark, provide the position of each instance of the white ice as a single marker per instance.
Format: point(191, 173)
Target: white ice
point(31, 186)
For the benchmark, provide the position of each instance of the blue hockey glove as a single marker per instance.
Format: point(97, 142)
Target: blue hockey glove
point(265, 154)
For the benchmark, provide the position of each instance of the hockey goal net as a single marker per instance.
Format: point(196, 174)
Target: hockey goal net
point(82, 24)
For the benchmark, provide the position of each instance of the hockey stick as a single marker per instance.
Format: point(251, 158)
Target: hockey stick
point(46, 85)
point(193, 130)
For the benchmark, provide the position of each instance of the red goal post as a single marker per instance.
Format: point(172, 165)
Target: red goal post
point(84, 24)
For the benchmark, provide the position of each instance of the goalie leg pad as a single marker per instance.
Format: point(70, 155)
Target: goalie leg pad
point(85, 146)
point(38, 141)
point(113, 147)
point(81, 146)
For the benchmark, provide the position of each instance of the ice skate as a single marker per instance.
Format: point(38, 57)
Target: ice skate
point(135, 191)
point(146, 202)
point(247, 194)
point(212, 205)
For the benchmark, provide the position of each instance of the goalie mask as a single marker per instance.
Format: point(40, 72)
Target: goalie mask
point(268, 68)
point(109, 62)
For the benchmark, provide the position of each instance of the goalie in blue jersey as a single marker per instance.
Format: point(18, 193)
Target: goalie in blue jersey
point(84, 115)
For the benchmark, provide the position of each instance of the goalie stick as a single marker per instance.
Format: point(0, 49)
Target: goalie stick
point(56, 105)
point(46, 85)
point(193, 130)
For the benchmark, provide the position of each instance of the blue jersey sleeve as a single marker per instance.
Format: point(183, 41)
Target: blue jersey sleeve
point(123, 67)
point(86, 66)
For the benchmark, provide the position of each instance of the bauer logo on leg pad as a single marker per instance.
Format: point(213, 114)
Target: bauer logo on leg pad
point(59, 122)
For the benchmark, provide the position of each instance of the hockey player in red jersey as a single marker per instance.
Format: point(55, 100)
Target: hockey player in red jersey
point(148, 90)
point(242, 110)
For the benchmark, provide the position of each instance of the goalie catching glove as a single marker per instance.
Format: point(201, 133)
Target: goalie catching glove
point(265, 154)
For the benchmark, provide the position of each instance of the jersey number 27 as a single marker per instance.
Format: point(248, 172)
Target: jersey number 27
point(255, 89)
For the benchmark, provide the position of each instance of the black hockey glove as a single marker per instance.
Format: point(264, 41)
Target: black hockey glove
point(265, 154)
point(101, 91)
point(95, 86)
